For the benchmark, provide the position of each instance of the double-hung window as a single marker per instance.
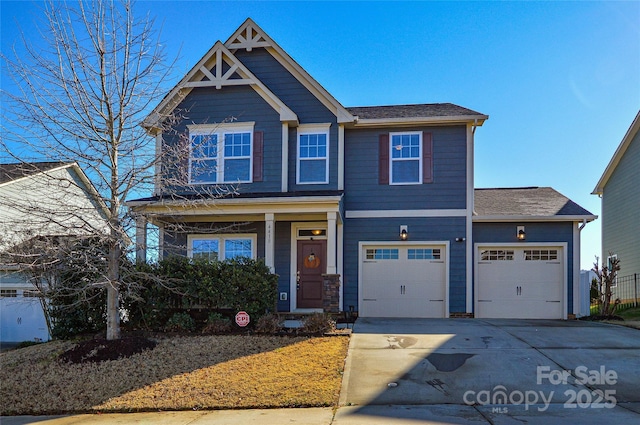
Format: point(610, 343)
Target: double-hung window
point(406, 158)
point(220, 153)
point(313, 154)
point(221, 247)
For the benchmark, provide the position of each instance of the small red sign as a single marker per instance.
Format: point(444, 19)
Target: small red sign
point(242, 319)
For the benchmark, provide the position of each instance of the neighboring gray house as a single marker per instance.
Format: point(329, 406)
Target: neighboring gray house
point(38, 199)
point(619, 188)
point(379, 198)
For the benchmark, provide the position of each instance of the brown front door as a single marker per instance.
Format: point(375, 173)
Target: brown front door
point(312, 264)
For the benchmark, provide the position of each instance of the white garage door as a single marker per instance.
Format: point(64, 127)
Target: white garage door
point(520, 282)
point(403, 281)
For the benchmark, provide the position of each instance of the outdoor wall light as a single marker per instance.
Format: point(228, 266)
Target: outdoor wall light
point(404, 232)
point(520, 233)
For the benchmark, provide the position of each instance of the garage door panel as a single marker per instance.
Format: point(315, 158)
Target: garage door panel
point(520, 282)
point(403, 281)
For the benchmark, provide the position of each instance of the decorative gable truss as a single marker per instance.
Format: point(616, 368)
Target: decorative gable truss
point(248, 36)
point(218, 68)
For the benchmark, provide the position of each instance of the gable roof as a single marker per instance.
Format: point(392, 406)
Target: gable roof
point(617, 156)
point(217, 68)
point(249, 36)
point(16, 171)
point(526, 203)
point(426, 112)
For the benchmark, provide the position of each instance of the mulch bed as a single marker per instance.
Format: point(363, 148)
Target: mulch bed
point(100, 349)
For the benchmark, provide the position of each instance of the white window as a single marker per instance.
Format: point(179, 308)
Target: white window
point(496, 255)
point(423, 254)
point(220, 153)
point(406, 158)
point(221, 247)
point(313, 154)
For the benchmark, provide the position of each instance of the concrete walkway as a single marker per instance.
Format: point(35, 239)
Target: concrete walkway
point(455, 371)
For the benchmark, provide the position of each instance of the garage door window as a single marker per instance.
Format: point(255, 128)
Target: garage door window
point(10, 293)
point(382, 254)
point(423, 254)
point(540, 254)
point(496, 255)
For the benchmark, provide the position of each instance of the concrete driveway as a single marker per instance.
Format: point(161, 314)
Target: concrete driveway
point(490, 371)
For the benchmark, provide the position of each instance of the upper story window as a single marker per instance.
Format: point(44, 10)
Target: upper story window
point(313, 154)
point(406, 158)
point(221, 153)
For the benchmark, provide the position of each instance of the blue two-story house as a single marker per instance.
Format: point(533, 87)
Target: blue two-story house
point(259, 160)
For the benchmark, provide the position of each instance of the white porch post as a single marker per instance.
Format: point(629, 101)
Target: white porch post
point(141, 239)
point(269, 240)
point(331, 243)
point(340, 262)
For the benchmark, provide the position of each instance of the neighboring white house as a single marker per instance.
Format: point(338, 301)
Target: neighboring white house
point(38, 199)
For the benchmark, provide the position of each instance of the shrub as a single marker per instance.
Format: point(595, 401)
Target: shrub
point(318, 323)
point(268, 324)
point(217, 323)
point(179, 283)
point(180, 322)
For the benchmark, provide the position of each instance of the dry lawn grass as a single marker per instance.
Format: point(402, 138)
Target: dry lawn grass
point(207, 372)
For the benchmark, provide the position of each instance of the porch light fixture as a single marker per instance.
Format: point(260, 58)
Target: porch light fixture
point(520, 233)
point(404, 232)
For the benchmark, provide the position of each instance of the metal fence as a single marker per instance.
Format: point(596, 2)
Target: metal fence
point(627, 290)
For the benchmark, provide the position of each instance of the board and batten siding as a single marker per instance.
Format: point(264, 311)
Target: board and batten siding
point(420, 229)
point(560, 232)
point(620, 207)
point(208, 105)
point(448, 190)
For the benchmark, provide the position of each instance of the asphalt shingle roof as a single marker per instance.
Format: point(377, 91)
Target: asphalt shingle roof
point(15, 171)
point(424, 110)
point(525, 201)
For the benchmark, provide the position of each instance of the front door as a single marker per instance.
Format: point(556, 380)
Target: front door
point(312, 265)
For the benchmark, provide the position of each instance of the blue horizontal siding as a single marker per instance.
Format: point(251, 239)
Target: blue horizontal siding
point(536, 232)
point(449, 187)
point(283, 262)
point(420, 229)
point(207, 105)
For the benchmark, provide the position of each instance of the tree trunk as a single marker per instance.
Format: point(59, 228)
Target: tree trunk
point(113, 293)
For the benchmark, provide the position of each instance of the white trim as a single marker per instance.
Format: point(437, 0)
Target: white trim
point(309, 129)
point(617, 156)
point(341, 157)
point(221, 238)
point(220, 131)
point(269, 241)
point(445, 244)
point(332, 242)
point(158, 165)
point(293, 260)
point(565, 266)
point(469, 218)
point(532, 218)
point(284, 160)
point(577, 304)
point(404, 213)
point(392, 160)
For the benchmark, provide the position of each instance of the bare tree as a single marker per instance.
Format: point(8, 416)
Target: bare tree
point(606, 279)
point(79, 95)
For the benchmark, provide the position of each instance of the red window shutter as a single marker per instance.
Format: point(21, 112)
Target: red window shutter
point(427, 158)
point(383, 159)
point(257, 155)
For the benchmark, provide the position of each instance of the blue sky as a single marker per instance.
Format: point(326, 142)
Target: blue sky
point(560, 81)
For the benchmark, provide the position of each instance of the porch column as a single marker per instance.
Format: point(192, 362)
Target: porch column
point(269, 241)
point(141, 239)
point(331, 243)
